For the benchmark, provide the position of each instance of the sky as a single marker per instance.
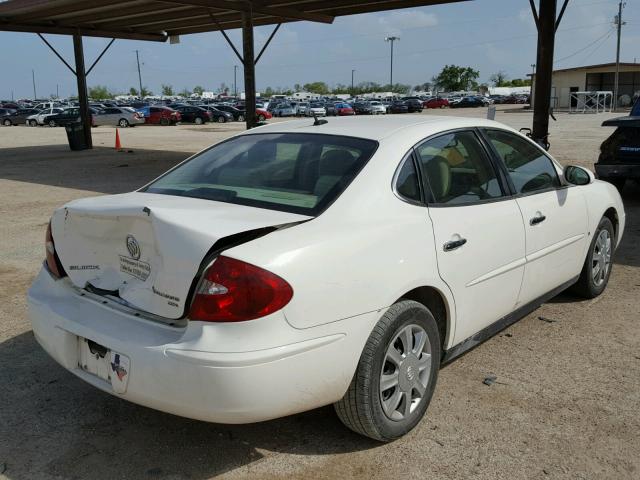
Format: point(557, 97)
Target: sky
point(488, 35)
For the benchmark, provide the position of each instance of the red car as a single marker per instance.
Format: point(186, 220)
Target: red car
point(262, 115)
point(162, 116)
point(343, 109)
point(436, 102)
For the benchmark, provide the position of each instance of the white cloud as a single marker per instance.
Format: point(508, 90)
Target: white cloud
point(394, 22)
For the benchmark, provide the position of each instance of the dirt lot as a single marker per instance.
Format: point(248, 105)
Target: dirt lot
point(566, 406)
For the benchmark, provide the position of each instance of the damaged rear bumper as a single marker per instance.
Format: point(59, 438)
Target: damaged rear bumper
point(228, 373)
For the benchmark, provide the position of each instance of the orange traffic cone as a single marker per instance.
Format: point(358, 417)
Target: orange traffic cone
point(118, 145)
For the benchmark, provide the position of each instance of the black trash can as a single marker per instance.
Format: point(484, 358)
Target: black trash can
point(75, 136)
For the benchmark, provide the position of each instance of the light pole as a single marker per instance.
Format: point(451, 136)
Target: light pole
point(352, 72)
point(391, 40)
point(139, 74)
point(619, 23)
point(235, 85)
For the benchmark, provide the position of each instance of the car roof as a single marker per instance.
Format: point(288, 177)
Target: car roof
point(378, 127)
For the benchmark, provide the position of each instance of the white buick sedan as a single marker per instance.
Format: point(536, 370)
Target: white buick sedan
point(307, 263)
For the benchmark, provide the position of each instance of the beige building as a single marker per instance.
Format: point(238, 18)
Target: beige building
point(593, 78)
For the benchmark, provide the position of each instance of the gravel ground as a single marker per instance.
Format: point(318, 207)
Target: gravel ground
point(566, 404)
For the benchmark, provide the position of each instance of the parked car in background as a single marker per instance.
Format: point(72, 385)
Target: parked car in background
point(284, 110)
point(18, 117)
point(362, 108)
point(301, 109)
point(6, 112)
point(197, 115)
point(237, 114)
point(468, 102)
point(619, 158)
point(317, 109)
point(262, 115)
point(40, 117)
point(218, 115)
point(68, 115)
point(436, 102)
point(343, 109)
point(157, 115)
point(377, 107)
point(414, 105)
point(118, 117)
point(399, 106)
point(252, 281)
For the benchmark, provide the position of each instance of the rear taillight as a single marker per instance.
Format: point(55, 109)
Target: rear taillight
point(235, 291)
point(53, 262)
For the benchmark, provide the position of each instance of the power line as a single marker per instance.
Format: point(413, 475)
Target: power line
point(606, 34)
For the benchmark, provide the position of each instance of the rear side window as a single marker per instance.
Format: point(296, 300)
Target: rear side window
point(457, 169)
point(407, 181)
point(529, 168)
point(291, 172)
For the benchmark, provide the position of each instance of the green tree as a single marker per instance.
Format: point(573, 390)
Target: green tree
point(454, 78)
point(268, 92)
point(320, 88)
point(133, 92)
point(499, 79)
point(185, 92)
point(145, 92)
point(167, 90)
point(198, 90)
point(99, 92)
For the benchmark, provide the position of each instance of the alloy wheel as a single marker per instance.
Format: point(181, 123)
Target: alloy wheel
point(601, 258)
point(405, 372)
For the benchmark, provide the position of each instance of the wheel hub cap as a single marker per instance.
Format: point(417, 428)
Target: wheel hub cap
point(601, 258)
point(405, 372)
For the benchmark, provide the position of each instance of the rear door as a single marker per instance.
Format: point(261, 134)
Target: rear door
point(478, 229)
point(555, 216)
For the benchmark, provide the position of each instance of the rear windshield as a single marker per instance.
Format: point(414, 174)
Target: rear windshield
point(291, 172)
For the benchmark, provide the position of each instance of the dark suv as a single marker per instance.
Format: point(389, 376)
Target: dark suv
point(620, 153)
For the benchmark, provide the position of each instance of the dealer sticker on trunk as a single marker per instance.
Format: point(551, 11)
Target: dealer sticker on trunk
point(135, 268)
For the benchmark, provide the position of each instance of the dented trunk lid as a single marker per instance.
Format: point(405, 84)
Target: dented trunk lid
point(149, 247)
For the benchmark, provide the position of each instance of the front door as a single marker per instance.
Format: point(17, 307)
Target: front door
point(555, 216)
point(478, 230)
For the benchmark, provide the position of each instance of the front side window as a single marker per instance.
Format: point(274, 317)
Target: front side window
point(457, 169)
point(529, 168)
point(291, 172)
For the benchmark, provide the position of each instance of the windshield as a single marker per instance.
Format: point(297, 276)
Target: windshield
point(291, 172)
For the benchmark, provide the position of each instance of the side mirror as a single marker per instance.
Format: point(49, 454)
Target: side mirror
point(578, 175)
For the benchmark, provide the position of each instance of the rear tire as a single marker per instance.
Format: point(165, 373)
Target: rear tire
point(597, 266)
point(33, 123)
point(124, 123)
point(51, 123)
point(403, 351)
point(261, 118)
point(7, 122)
point(198, 121)
point(221, 119)
point(241, 118)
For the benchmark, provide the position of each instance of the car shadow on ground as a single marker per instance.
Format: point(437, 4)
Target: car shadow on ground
point(101, 169)
point(81, 432)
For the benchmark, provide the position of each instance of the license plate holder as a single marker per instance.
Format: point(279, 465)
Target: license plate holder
point(104, 363)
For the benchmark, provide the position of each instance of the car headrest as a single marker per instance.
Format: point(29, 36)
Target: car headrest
point(439, 174)
point(336, 163)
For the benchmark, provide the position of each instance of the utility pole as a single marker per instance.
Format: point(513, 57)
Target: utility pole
point(391, 40)
point(33, 78)
point(57, 92)
point(352, 72)
point(139, 74)
point(619, 23)
point(235, 85)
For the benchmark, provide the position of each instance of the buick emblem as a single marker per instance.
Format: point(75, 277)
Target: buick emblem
point(133, 247)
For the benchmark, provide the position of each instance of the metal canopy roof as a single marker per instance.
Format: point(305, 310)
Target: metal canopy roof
point(155, 20)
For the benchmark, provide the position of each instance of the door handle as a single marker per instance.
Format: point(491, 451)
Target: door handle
point(537, 219)
point(453, 244)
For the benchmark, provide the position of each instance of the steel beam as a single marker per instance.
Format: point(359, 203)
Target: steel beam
point(266, 44)
point(83, 100)
point(249, 69)
point(544, 69)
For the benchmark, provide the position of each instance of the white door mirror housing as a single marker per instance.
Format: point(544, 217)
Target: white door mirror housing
point(576, 175)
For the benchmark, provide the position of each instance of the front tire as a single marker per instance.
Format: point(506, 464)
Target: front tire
point(261, 118)
point(124, 123)
point(7, 122)
point(597, 266)
point(198, 121)
point(33, 123)
point(52, 123)
point(396, 375)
